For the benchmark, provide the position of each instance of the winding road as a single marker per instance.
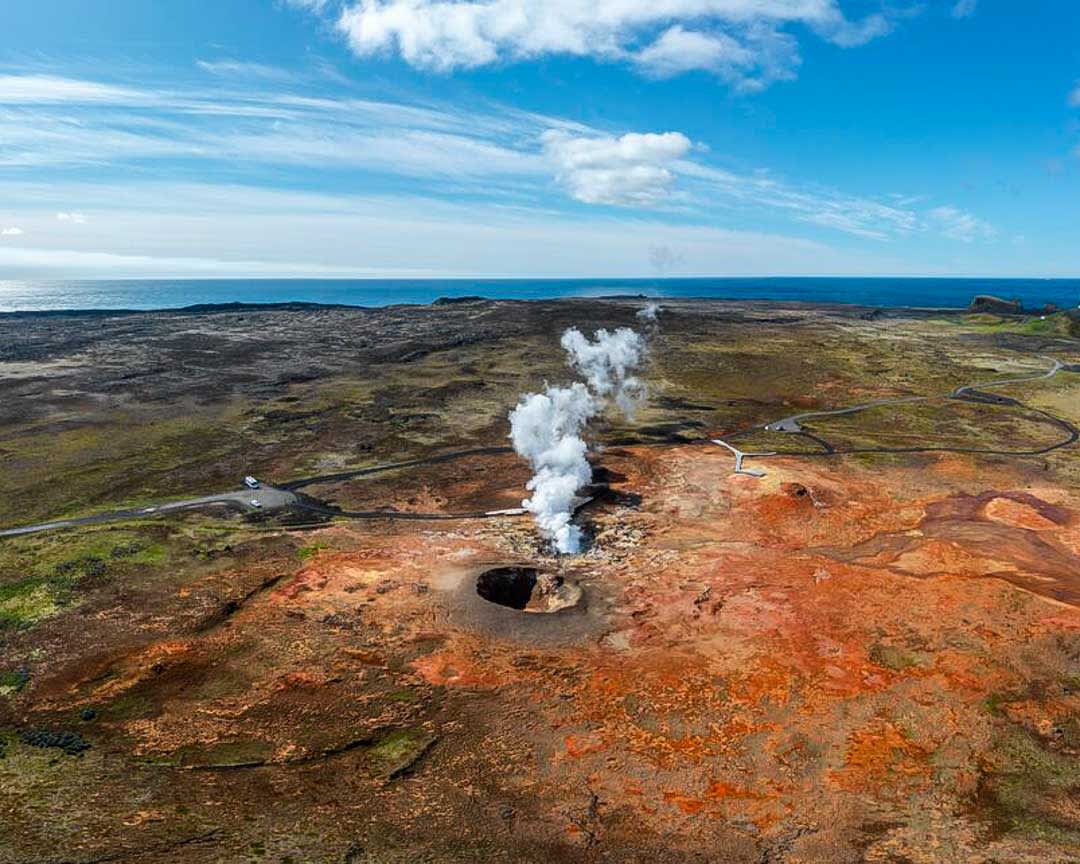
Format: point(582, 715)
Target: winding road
point(792, 425)
point(272, 498)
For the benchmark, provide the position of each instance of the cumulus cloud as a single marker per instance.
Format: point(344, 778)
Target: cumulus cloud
point(739, 40)
point(13, 231)
point(762, 57)
point(73, 218)
point(964, 8)
point(634, 170)
point(960, 225)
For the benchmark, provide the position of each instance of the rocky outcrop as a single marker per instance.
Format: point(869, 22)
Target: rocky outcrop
point(989, 303)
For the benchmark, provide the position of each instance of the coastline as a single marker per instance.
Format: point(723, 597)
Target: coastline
point(198, 309)
point(118, 297)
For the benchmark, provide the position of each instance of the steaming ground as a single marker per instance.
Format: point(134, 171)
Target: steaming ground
point(862, 658)
point(547, 428)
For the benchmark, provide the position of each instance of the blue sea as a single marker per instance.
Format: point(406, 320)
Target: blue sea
point(20, 296)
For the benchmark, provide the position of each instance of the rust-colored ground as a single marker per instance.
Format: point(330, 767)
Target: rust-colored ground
point(823, 663)
point(861, 658)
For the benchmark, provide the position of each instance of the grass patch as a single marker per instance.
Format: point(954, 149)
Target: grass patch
point(225, 754)
point(397, 752)
point(26, 602)
point(40, 575)
point(305, 553)
point(995, 703)
point(1059, 324)
point(1032, 791)
point(71, 555)
point(13, 681)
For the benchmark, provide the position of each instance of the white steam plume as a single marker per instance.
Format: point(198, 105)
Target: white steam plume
point(649, 314)
point(608, 364)
point(546, 428)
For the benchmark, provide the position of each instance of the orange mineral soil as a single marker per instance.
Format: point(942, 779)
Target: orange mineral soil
point(835, 662)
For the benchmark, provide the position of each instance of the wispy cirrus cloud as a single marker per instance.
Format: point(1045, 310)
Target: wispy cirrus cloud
point(487, 152)
point(746, 42)
point(964, 8)
point(309, 5)
point(163, 229)
point(244, 69)
point(752, 63)
point(957, 224)
point(53, 89)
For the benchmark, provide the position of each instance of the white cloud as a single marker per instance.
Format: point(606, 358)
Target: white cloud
point(243, 69)
point(157, 229)
point(84, 264)
point(848, 34)
point(273, 128)
point(310, 5)
point(634, 170)
point(13, 231)
point(749, 65)
point(964, 8)
point(487, 152)
point(1074, 97)
point(409, 152)
point(829, 208)
point(959, 225)
point(43, 89)
point(728, 37)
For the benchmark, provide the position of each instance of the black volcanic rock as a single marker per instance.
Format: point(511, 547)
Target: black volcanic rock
point(989, 303)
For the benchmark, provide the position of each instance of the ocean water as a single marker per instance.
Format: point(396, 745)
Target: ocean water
point(20, 296)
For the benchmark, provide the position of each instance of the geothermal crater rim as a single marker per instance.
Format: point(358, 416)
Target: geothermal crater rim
point(529, 589)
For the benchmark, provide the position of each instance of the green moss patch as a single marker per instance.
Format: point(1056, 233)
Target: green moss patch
point(41, 575)
point(305, 553)
point(1032, 790)
point(891, 657)
point(24, 603)
point(13, 681)
point(225, 754)
point(397, 752)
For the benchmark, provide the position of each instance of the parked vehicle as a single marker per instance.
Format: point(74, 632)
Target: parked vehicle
point(251, 482)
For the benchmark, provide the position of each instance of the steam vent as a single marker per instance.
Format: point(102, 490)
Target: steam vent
point(527, 590)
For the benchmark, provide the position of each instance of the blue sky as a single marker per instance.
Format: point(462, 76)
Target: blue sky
point(547, 138)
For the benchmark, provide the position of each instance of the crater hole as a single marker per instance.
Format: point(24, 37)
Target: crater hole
point(508, 586)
